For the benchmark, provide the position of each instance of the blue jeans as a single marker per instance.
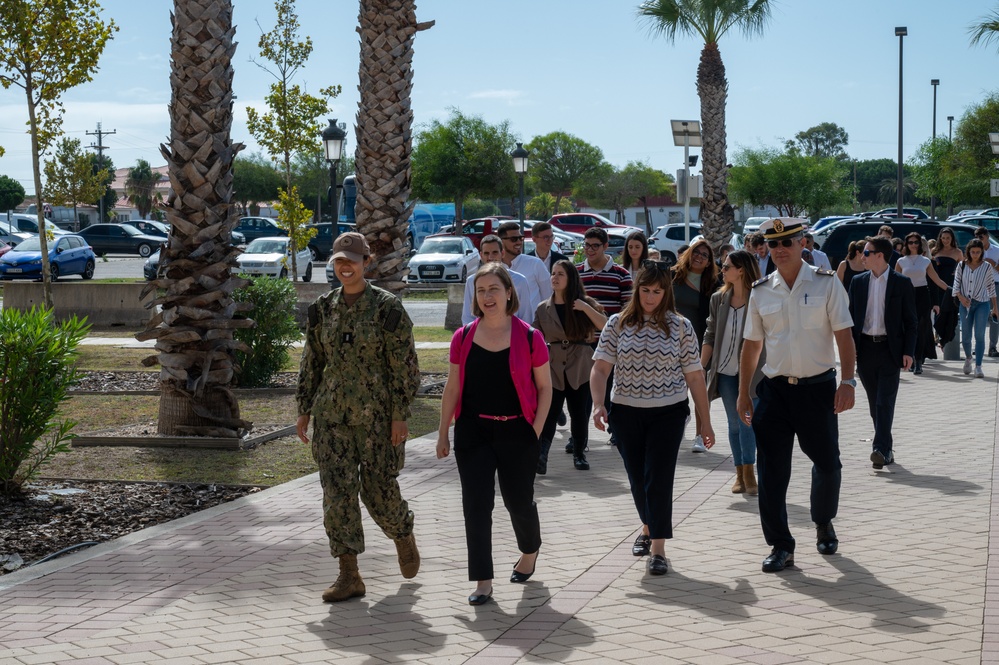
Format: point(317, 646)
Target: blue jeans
point(978, 316)
point(740, 435)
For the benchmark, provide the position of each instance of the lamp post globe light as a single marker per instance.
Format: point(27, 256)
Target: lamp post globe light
point(334, 139)
point(933, 198)
point(900, 33)
point(520, 157)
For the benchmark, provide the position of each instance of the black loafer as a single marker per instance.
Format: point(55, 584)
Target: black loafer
point(878, 459)
point(480, 599)
point(657, 565)
point(642, 545)
point(518, 577)
point(580, 463)
point(825, 539)
point(778, 561)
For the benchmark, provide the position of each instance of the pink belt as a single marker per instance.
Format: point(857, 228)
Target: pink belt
point(500, 418)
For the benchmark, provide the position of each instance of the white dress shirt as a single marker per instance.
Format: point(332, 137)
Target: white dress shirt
point(874, 318)
point(538, 276)
point(520, 284)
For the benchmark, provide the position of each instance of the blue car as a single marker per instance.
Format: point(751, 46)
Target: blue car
point(68, 255)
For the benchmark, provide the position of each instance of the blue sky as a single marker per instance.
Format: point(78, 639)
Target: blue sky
point(587, 67)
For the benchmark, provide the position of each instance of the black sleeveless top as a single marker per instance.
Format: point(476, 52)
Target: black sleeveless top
point(488, 385)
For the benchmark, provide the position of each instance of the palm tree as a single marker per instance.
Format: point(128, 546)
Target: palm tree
point(140, 187)
point(384, 134)
point(194, 330)
point(710, 19)
point(985, 31)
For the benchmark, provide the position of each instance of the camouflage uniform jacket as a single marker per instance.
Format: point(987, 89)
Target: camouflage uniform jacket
point(360, 361)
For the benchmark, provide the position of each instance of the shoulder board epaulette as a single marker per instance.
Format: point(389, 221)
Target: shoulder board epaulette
point(823, 271)
point(761, 280)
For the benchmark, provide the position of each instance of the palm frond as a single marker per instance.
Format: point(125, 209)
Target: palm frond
point(986, 31)
point(710, 19)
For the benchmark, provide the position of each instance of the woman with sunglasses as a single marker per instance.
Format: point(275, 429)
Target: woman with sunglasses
point(946, 255)
point(695, 278)
point(570, 321)
point(974, 286)
point(654, 353)
point(726, 321)
point(636, 251)
point(919, 269)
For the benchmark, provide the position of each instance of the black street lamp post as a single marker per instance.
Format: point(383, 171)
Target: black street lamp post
point(933, 197)
point(900, 33)
point(520, 156)
point(950, 128)
point(334, 138)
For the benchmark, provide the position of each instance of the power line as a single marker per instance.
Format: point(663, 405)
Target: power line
point(100, 148)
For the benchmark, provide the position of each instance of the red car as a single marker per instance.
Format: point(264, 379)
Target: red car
point(4, 248)
point(476, 229)
point(581, 222)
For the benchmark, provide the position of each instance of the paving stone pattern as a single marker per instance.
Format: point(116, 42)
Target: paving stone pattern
point(240, 583)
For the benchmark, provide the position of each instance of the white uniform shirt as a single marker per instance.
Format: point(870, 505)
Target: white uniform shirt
point(538, 276)
point(526, 310)
point(797, 324)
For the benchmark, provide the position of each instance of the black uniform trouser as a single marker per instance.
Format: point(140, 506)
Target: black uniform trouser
point(784, 411)
point(879, 373)
point(484, 449)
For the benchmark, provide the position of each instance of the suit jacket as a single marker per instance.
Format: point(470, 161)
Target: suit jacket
point(556, 257)
point(900, 312)
point(717, 319)
point(573, 361)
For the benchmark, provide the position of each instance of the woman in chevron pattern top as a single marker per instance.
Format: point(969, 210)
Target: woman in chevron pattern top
point(655, 356)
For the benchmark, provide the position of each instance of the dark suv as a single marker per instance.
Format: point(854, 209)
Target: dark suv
point(322, 243)
point(840, 236)
point(252, 228)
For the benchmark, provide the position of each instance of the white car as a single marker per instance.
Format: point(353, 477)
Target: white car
point(669, 238)
point(271, 257)
point(443, 259)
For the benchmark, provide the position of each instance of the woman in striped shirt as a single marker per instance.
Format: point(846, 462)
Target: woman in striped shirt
point(974, 287)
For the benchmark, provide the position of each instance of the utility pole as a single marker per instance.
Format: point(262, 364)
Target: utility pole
point(100, 148)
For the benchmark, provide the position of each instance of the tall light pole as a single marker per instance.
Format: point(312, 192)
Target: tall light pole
point(688, 134)
point(933, 197)
point(950, 128)
point(520, 156)
point(900, 33)
point(334, 138)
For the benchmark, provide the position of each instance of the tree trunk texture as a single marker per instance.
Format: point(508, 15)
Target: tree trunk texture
point(194, 329)
point(384, 135)
point(717, 217)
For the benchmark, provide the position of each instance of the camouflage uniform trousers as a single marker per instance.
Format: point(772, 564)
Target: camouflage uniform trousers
point(360, 461)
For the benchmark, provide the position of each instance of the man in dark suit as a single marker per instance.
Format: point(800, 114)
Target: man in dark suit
point(883, 307)
point(544, 237)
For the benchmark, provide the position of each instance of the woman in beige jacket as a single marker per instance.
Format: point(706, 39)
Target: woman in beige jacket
point(570, 321)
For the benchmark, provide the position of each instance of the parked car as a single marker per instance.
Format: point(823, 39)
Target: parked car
point(258, 227)
point(826, 221)
point(617, 239)
point(581, 222)
point(152, 266)
point(68, 255)
point(120, 239)
point(11, 235)
point(669, 238)
point(892, 213)
point(443, 259)
point(4, 248)
point(322, 243)
point(840, 236)
point(272, 257)
point(988, 221)
point(474, 229)
point(149, 227)
point(752, 224)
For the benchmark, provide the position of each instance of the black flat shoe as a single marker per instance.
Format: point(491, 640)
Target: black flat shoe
point(480, 598)
point(825, 539)
point(642, 545)
point(580, 463)
point(657, 565)
point(778, 561)
point(518, 577)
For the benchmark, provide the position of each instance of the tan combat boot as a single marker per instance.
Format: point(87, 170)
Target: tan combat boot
point(738, 487)
point(348, 584)
point(409, 556)
point(749, 479)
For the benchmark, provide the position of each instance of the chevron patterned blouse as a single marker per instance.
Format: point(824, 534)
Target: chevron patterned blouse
point(649, 364)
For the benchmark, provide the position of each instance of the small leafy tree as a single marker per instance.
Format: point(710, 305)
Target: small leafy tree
point(292, 216)
point(267, 343)
point(37, 368)
point(254, 181)
point(11, 193)
point(70, 178)
point(560, 161)
point(542, 206)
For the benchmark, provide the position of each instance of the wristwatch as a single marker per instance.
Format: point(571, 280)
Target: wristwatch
point(848, 382)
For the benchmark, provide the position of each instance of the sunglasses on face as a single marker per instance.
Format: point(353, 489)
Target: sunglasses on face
point(912, 242)
point(514, 238)
point(661, 266)
point(786, 242)
point(868, 252)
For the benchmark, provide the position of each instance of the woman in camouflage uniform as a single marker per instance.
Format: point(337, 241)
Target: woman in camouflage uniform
point(358, 377)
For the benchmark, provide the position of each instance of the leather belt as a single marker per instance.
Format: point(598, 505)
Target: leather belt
point(827, 375)
point(877, 339)
point(499, 418)
point(565, 343)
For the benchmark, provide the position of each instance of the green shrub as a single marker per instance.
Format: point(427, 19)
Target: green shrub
point(37, 368)
point(273, 312)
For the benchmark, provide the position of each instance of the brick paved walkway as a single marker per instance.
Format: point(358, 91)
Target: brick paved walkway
point(240, 583)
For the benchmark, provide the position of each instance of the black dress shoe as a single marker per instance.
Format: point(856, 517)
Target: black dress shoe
point(657, 565)
point(480, 598)
point(825, 539)
point(890, 459)
point(570, 447)
point(778, 560)
point(642, 545)
point(878, 459)
point(579, 461)
point(542, 466)
point(518, 577)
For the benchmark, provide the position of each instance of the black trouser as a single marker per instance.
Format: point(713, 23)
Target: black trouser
point(784, 411)
point(879, 373)
point(482, 449)
point(924, 328)
point(577, 400)
point(649, 440)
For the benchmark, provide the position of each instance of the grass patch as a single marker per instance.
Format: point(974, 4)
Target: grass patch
point(436, 294)
point(113, 359)
point(431, 334)
point(434, 360)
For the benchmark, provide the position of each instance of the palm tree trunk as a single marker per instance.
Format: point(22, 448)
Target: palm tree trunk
point(384, 134)
point(717, 216)
point(194, 330)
